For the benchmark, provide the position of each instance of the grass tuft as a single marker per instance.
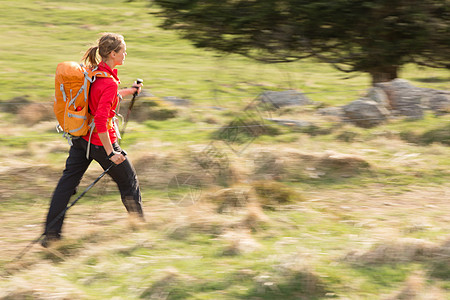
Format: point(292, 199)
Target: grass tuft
point(271, 193)
point(400, 251)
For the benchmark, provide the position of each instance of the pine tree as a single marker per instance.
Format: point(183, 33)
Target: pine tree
point(376, 36)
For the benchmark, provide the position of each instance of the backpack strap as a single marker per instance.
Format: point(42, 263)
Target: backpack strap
point(61, 87)
point(95, 73)
point(88, 150)
point(84, 87)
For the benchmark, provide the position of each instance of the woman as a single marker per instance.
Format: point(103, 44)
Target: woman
point(104, 100)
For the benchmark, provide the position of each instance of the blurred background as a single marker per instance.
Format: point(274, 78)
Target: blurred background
point(285, 150)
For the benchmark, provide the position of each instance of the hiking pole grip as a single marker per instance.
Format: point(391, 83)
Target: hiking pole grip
point(138, 81)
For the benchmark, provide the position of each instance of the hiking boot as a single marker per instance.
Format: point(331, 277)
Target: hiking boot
point(50, 238)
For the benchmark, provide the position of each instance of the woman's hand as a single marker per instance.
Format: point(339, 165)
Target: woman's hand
point(137, 87)
point(130, 91)
point(116, 157)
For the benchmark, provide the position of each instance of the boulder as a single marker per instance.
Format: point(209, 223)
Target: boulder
point(404, 98)
point(439, 102)
point(396, 97)
point(365, 113)
point(284, 98)
point(331, 111)
point(378, 95)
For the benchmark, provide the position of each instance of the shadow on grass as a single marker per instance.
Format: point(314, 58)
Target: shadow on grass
point(385, 275)
point(296, 286)
point(437, 135)
point(432, 79)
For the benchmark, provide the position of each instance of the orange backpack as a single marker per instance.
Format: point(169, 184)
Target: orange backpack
point(72, 83)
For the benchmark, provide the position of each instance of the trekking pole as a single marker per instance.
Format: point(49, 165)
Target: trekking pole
point(138, 81)
point(59, 216)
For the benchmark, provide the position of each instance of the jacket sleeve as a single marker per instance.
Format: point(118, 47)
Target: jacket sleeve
point(105, 103)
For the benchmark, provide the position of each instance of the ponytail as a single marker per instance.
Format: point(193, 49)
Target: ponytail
point(107, 43)
point(90, 57)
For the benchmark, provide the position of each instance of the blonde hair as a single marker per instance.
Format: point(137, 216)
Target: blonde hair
point(106, 44)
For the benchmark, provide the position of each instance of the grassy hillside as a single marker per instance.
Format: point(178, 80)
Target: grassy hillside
point(39, 34)
point(328, 211)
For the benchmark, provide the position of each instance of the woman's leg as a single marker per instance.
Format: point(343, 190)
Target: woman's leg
point(76, 166)
point(125, 177)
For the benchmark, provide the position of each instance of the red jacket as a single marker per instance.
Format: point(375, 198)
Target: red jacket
point(103, 101)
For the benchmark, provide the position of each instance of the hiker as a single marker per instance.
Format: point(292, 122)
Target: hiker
point(102, 144)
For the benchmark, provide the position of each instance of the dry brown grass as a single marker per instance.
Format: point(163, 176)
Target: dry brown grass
point(51, 286)
point(238, 242)
point(230, 199)
point(200, 218)
point(272, 193)
point(411, 289)
point(155, 169)
point(254, 218)
point(416, 288)
point(382, 214)
point(135, 223)
point(168, 279)
point(403, 250)
point(296, 271)
point(292, 164)
point(400, 250)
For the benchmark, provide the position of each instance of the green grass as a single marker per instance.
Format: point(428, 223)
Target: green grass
point(65, 31)
point(184, 252)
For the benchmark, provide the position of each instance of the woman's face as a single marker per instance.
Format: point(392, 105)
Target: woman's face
point(119, 57)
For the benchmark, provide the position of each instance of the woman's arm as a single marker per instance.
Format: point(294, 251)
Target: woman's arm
point(117, 158)
point(130, 91)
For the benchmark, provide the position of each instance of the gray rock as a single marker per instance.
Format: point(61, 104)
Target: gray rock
point(331, 111)
point(284, 98)
point(365, 113)
point(177, 101)
point(440, 102)
point(404, 98)
point(378, 95)
point(296, 123)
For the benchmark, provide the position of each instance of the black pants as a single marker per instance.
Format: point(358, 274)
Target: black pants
point(76, 165)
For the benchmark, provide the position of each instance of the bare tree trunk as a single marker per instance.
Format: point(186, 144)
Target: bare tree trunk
point(383, 74)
